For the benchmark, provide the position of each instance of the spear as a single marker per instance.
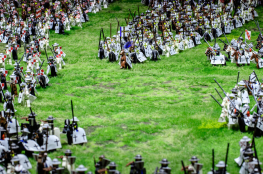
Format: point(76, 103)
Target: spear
point(183, 166)
point(213, 161)
point(226, 157)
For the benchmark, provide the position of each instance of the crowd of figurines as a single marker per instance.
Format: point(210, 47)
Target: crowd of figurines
point(238, 51)
point(36, 140)
point(149, 34)
point(38, 15)
point(236, 108)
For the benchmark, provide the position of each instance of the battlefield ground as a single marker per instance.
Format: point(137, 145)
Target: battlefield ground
point(157, 109)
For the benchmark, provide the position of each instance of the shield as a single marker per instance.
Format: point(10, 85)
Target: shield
point(181, 46)
point(260, 124)
point(260, 63)
point(71, 159)
point(56, 29)
point(53, 143)
point(167, 170)
point(242, 144)
point(32, 98)
point(24, 161)
point(129, 61)
point(31, 145)
point(4, 143)
point(242, 60)
point(251, 167)
point(11, 126)
point(245, 97)
point(139, 165)
point(79, 136)
point(198, 167)
point(218, 32)
point(104, 162)
point(172, 51)
point(141, 57)
point(247, 121)
point(218, 60)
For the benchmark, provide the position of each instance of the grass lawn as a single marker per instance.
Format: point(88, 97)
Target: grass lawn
point(158, 109)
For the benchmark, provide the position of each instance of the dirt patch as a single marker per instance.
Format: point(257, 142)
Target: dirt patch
point(146, 123)
point(169, 81)
point(201, 86)
point(91, 129)
point(71, 95)
point(254, 29)
point(105, 87)
point(120, 94)
point(124, 147)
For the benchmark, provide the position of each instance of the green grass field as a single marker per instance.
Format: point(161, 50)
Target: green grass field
point(158, 109)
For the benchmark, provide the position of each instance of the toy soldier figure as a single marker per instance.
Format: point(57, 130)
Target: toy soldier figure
point(32, 125)
point(55, 167)
point(52, 67)
point(13, 85)
point(68, 161)
point(112, 168)
point(221, 168)
point(164, 166)
point(243, 94)
point(44, 163)
point(53, 130)
point(3, 79)
point(155, 54)
point(100, 167)
point(137, 165)
point(68, 130)
point(248, 159)
point(81, 169)
point(194, 166)
point(244, 144)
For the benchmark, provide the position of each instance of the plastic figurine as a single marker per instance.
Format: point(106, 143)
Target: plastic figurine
point(137, 166)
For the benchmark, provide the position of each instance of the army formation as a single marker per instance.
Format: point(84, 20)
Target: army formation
point(238, 110)
point(238, 51)
point(149, 35)
point(27, 31)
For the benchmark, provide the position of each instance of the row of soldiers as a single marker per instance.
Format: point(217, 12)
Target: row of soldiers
point(45, 15)
point(152, 30)
point(238, 51)
point(248, 161)
point(236, 106)
point(36, 140)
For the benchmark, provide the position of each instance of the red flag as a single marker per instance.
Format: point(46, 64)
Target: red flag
point(42, 70)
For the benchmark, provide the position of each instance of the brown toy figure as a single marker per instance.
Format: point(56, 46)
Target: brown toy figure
point(13, 85)
point(124, 63)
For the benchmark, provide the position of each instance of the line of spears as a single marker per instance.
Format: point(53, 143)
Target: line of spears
point(151, 34)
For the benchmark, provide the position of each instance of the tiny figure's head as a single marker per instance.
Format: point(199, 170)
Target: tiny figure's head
point(164, 162)
point(194, 160)
point(138, 158)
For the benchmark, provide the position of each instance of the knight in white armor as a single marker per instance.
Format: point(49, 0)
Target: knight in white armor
point(244, 144)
